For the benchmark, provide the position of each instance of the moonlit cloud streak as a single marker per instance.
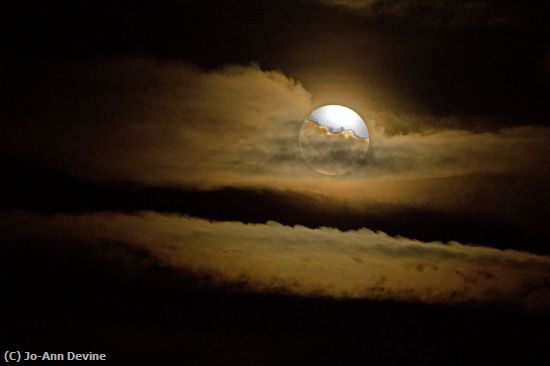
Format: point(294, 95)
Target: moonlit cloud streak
point(272, 257)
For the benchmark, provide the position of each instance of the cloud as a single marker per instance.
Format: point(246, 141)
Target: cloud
point(430, 13)
point(172, 124)
point(134, 119)
point(459, 153)
point(272, 257)
point(138, 120)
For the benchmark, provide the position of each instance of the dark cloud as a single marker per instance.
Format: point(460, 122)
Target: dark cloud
point(441, 14)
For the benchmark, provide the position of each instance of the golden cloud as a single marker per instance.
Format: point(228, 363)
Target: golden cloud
point(137, 120)
point(302, 261)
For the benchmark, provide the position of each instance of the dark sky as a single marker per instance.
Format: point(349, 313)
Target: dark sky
point(473, 58)
point(152, 178)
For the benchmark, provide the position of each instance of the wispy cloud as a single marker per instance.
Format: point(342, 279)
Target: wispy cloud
point(137, 120)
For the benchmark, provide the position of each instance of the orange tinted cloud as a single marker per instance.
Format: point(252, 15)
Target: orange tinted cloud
point(137, 120)
point(302, 261)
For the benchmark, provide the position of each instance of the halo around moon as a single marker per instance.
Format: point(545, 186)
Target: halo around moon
point(333, 139)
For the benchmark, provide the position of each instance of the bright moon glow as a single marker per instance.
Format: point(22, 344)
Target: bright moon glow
point(333, 140)
point(338, 118)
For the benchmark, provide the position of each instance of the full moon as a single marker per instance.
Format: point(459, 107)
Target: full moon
point(333, 139)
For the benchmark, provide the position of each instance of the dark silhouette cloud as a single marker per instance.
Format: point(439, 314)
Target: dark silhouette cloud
point(441, 14)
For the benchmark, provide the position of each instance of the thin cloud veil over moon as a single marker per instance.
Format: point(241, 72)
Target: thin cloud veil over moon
point(338, 119)
point(333, 139)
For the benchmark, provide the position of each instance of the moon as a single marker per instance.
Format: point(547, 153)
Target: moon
point(333, 139)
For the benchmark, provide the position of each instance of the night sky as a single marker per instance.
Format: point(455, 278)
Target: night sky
point(155, 205)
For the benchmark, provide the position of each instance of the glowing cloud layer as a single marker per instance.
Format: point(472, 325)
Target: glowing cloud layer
point(298, 260)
